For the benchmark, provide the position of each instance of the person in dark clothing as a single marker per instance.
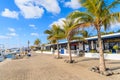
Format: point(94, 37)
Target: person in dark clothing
point(29, 54)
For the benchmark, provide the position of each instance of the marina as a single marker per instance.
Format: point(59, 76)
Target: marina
point(59, 39)
point(13, 54)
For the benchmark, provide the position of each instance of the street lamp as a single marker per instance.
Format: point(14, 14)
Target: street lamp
point(28, 45)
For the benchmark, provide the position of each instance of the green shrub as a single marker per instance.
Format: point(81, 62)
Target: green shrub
point(93, 51)
point(109, 53)
point(115, 47)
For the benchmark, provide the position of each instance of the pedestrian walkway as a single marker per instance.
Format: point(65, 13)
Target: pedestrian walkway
point(45, 67)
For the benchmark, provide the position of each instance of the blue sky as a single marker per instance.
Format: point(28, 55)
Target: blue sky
point(23, 20)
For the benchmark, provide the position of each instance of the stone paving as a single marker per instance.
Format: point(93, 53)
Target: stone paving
point(45, 67)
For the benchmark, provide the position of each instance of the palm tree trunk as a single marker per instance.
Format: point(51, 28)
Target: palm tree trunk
point(69, 51)
point(102, 66)
point(58, 56)
point(79, 45)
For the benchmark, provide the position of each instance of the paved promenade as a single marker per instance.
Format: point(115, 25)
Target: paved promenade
point(45, 67)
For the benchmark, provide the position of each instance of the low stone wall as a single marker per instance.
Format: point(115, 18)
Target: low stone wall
point(49, 52)
point(107, 56)
point(45, 52)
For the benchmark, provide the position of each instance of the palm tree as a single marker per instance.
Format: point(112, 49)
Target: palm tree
point(85, 33)
point(37, 42)
point(98, 13)
point(70, 32)
point(54, 35)
point(111, 32)
point(118, 31)
point(103, 33)
point(42, 47)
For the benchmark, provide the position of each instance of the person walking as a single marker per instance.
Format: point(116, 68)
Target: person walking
point(29, 53)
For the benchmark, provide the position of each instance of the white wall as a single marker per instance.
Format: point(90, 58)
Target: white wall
point(107, 56)
point(45, 52)
point(49, 52)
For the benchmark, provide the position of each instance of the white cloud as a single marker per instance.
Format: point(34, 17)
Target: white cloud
point(50, 5)
point(11, 29)
point(4, 37)
point(12, 34)
point(29, 9)
point(34, 34)
point(10, 14)
point(58, 22)
point(74, 4)
point(115, 25)
point(35, 8)
point(33, 26)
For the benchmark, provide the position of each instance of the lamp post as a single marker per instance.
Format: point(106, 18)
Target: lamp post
point(28, 45)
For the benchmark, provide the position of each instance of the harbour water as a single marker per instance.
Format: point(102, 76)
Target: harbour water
point(8, 56)
point(1, 59)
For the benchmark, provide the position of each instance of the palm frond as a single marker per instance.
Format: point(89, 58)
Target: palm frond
point(80, 16)
point(47, 32)
point(77, 38)
point(113, 4)
point(110, 18)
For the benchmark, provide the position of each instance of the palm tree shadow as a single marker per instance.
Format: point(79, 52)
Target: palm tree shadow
point(114, 62)
point(115, 68)
point(87, 59)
